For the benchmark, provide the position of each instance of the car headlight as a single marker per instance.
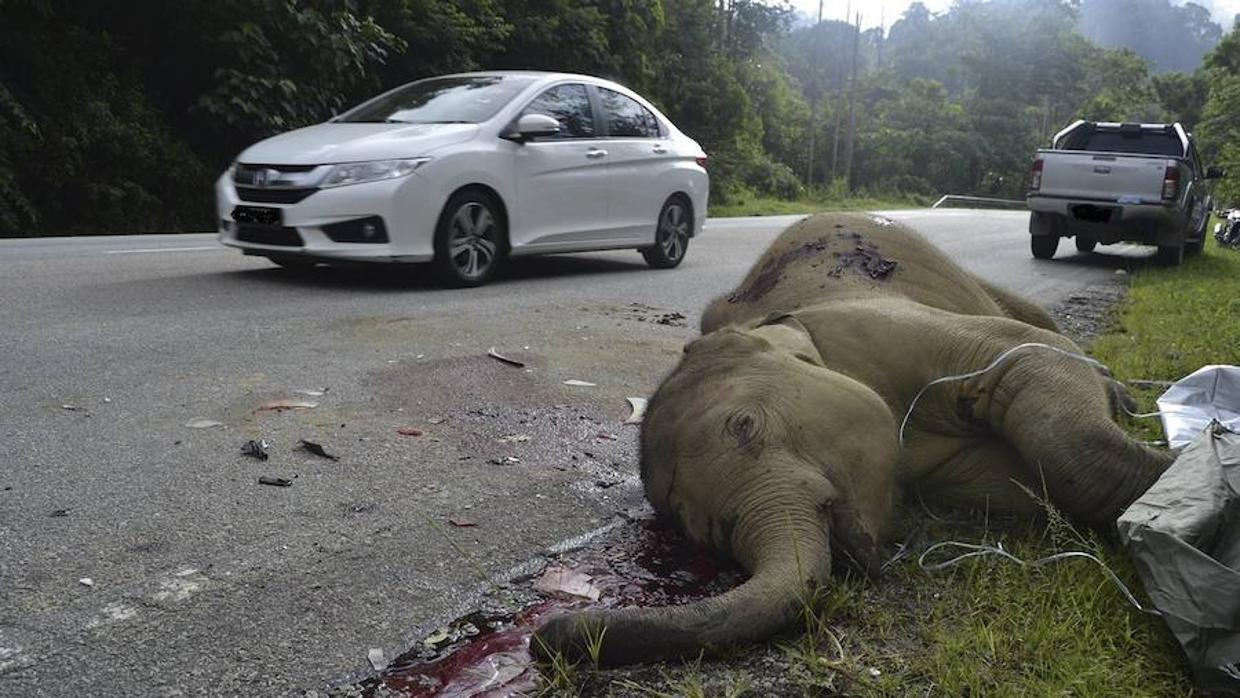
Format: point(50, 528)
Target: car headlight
point(373, 171)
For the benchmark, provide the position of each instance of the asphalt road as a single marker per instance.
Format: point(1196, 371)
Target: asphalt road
point(200, 579)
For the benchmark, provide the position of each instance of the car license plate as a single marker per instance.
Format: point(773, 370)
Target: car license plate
point(258, 215)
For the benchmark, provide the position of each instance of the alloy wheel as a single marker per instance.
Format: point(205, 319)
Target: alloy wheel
point(472, 240)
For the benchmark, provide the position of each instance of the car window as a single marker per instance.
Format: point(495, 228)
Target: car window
point(626, 118)
point(461, 99)
point(569, 105)
point(1142, 142)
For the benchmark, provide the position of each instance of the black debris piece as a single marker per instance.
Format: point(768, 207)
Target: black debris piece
point(317, 449)
point(254, 449)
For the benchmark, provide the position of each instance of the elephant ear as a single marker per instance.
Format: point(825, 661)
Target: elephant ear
point(852, 542)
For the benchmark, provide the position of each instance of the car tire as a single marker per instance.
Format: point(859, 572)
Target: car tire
point(1043, 246)
point(1085, 243)
point(1192, 248)
point(1170, 255)
point(299, 265)
point(470, 239)
point(671, 238)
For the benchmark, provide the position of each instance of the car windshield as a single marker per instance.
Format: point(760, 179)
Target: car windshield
point(452, 100)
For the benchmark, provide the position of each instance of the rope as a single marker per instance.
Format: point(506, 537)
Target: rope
point(982, 550)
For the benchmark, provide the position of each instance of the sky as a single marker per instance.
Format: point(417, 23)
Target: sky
point(888, 11)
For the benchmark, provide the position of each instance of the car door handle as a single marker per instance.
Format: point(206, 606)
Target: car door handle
point(659, 150)
point(596, 153)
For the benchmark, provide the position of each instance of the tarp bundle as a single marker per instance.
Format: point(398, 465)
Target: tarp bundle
point(1184, 537)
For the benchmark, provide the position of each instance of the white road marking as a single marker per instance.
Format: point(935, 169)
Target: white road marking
point(165, 249)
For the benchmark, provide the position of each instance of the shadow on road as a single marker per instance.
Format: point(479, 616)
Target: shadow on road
point(389, 277)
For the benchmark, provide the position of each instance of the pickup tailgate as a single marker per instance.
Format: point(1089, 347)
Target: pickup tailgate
point(1102, 176)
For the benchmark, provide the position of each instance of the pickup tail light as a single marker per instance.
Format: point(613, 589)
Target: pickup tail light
point(1035, 175)
point(1171, 183)
point(702, 162)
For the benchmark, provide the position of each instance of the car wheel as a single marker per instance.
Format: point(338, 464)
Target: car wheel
point(1043, 246)
point(469, 239)
point(1085, 243)
point(1193, 247)
point(296, 264)
point(1170, 255)
point(671, 239)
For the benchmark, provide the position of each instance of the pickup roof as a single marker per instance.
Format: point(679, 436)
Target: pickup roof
point(1103, 183)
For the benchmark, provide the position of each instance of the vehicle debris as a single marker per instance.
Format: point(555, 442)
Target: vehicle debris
point(281, 405)
point(513, 438)
point(500, 357)
point(203, 423)
point(255, 449)
point(410, 431)
point(316, 449)
point(275, 481)
point(312, 393)
point(637, 405)
point(86, 582)
point(376, 658)
point(507, 460)
point(581, 384)
point(58, 512)
point(462, 522)
point(71, 408)
point(565, 581)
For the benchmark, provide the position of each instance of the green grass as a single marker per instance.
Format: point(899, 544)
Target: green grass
point(1175, 321)
point(753, 205)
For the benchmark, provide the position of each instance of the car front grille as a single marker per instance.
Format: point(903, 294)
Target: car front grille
point(269, 235)
point(273, 196)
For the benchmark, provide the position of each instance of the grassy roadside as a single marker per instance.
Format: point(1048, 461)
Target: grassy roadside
point(988, 626)
point(813, 202)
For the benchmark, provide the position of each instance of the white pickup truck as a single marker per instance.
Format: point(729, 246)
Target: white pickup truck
point(1103, 183)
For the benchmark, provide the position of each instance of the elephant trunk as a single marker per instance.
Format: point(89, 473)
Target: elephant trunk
point(1087, 464)
point(791, 557)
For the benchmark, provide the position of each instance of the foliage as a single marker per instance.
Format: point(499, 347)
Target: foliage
point(116, 118)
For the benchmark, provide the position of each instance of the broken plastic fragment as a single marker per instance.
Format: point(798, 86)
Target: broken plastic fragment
point(312, 393)
point(500, 357)
point(462, 522)
point(71, 408)
point(288, 405)
point(409, 431)
point(638, 407)
point(203, 423)
point(566, 581)
point(582, 384)
point(376, 658)
point(254, 449)
point(86, 582)
point(317, 449)
point(275, 481)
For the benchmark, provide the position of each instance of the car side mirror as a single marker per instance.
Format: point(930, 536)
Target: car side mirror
point(533, 126)
point(1215, 173)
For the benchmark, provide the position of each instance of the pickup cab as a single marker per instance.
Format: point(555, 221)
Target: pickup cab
point(1103, 183)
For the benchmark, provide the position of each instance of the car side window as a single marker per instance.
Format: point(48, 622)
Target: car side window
point(626, 118)
point(569, 105)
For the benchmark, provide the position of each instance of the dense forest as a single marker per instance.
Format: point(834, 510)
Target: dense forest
point(117, 117)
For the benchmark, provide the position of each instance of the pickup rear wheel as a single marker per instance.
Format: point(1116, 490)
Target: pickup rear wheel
point(1043, 246)
point(1084, 243)
point(1170, 255)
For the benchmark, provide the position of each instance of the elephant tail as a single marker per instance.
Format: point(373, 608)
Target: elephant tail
point(791, 563)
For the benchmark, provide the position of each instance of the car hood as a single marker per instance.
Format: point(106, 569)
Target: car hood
point(330, 143)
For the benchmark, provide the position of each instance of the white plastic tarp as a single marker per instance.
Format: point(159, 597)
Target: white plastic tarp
point(1209, 394)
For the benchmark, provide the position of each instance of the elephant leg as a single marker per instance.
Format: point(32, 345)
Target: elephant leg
point(1056, 412)
point(984, 473)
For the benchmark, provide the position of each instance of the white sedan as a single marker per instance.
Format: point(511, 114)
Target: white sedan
point(464, 170)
